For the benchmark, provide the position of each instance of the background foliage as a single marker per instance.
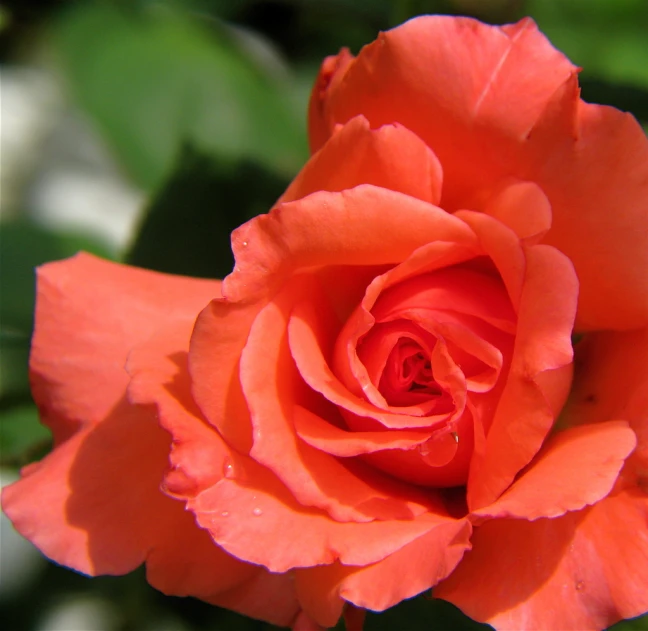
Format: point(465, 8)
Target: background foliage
point(196, 109)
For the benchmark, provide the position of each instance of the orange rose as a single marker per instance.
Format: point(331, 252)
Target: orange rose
point(367, 408)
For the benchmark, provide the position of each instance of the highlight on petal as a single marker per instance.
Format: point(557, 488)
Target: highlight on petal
point(391, 157)
point(576, 468)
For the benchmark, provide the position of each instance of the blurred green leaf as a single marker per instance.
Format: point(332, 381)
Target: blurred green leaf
point(608, 39)
point(22, 437)
point(422, 613)
point(636, 624)
point(24, 247)
point(153, 79)
point(14, 357)
point(186, 230)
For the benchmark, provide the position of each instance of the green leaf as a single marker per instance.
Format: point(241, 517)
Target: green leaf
point(186, 230)
point(22, 437)
point(608, 39)
point(155, 79)
point(424, 613)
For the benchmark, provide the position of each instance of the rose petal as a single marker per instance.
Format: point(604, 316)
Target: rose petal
point(504, 103)
point(575, 468)
point(83, 334)
point(391, 157)
point(425, 561)
point(310, 335)
point(611, 381)
point(490, 86)
point(597, 181)
point(586, 570)
point(327, 437)
point(314, 477)
point(251, 507)
point(198, 459)
point(524, 208)
point(331, 72)
point(217, 341)
point(331, 229)
point(69, 509)
point(527, 408)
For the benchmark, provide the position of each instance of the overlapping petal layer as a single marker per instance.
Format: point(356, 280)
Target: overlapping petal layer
point(505, 104)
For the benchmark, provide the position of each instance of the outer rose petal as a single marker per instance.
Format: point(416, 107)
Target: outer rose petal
point(585, 570)
point(391, 157)
point(503, 103)
point(576, 467)
point(330, 229)
point(611, 381)
point(251, 507)
point(539, 377)
point(484, 77)
point(425, 561)
point(67, 504)
point(160, 377)
point(89, 314)
point(592, 162)
point(215, 381)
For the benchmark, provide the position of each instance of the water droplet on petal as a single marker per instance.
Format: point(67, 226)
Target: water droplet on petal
point(580, 586)
point(456, 437)
point(224, 514)
point(257, 512)
point(245, 243)
point(228, 468)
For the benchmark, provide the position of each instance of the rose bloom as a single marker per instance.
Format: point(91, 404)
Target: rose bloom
point(382, 397)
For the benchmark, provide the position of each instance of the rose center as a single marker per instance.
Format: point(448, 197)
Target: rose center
point(408, 371)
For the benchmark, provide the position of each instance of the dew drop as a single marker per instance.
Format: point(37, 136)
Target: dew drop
point(228, 468)
point(257, 512)
point(245, 243)
point(456, 437)
point(580, 586)
point(225, 514)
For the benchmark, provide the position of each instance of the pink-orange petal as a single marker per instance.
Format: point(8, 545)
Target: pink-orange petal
point(83, 333)
point(470, 91)
point(391, 157)
point(217, 341)
point(315, 478)
point(576, 468)
point(324, 436)
point(310, 335)
point(523, 207)
point(585, 570)
point(331, 72)
point(424, 562)
point(597, 181)
point(67, 504)
point(332, 229)
point(539, 377)
point(251, 507)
